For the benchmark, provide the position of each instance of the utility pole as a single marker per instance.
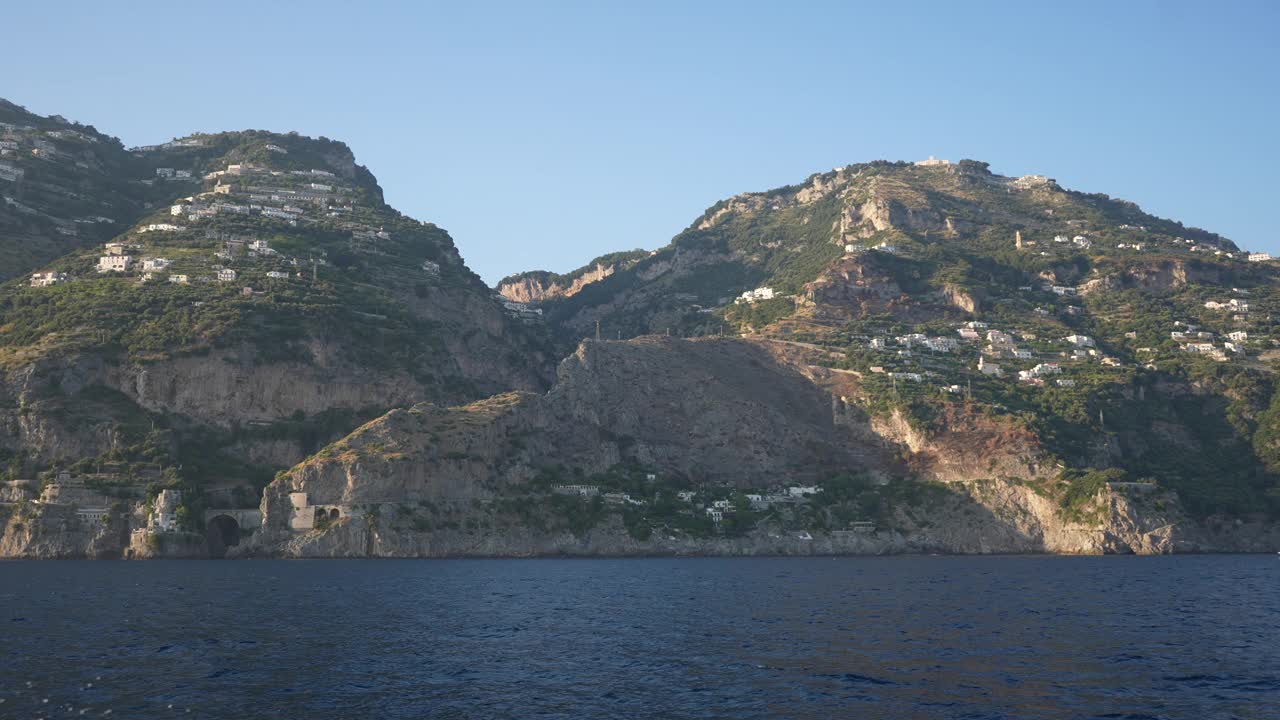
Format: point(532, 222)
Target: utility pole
point(597, 331)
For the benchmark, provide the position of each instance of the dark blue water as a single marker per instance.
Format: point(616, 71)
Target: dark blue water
point(910, 637)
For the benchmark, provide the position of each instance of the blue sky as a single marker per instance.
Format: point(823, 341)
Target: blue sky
point(543, 134)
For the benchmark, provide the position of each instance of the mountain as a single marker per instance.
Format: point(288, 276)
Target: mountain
point(266, 359)
point(262, 301)
point(957, 361)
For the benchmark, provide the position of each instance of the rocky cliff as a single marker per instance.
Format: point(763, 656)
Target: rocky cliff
point(692, 416)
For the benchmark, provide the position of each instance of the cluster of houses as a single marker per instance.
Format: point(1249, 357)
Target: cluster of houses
point(519, 310)
point(1200, 342)
point(715, 509)
point(994, 345)
point(751, 296)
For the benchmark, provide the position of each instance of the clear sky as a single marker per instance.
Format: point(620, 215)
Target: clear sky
point(542, 134)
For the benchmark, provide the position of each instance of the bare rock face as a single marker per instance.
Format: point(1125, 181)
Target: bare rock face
point(852, 287)
point(535, 290)
point(965, 445)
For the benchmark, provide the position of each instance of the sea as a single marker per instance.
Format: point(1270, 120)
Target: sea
point(839, 637)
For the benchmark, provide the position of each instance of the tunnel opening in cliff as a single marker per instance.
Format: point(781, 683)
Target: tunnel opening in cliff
point(220, 533)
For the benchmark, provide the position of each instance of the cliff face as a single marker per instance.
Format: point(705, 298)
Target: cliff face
point(535, 289)
point(463, 481)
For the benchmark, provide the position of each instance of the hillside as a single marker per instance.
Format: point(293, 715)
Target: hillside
point(63, 186)
point(888, 357)
point(1101, 321)
point(266, 301)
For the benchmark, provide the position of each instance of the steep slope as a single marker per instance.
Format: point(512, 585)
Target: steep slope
point(63, 186)
point(537, 286)
point(270, 303)
point(711, 446)
point(1087, 321)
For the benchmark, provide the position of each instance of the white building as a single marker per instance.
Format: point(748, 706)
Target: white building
point(1238, 336)
point(164, 516)
point(277, 275)
point(579, 490)
point(226, 275)
point(1259, 257)
point(989, 368)
point(996, 337)
point(179, 279)
point(760, 293)
point(46, 279)
point(431, 268)
point(154, 264)
point(1079, 340)
point(803, 490)
point(942, 344)
point(114, 263)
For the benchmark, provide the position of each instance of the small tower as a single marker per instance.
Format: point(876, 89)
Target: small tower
point(1017, 239)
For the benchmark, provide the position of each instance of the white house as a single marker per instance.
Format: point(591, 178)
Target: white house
point(803, 490)
point(46, 279)
point(1259, 257)
point(989, 368)
point(1238, 336)
point(968, 334)
point(1079, 340)
point(162, 227)
point(154, 264)
point(431, 268)
point(179, 279)
point(760, 293)
point(942, 344)
point(995, 337)
point(114, 263)
point(226, 275)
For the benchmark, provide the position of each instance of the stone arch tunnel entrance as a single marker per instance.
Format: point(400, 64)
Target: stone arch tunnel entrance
point(220, 533)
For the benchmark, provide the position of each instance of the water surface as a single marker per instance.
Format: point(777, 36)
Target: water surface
point(904, 637)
